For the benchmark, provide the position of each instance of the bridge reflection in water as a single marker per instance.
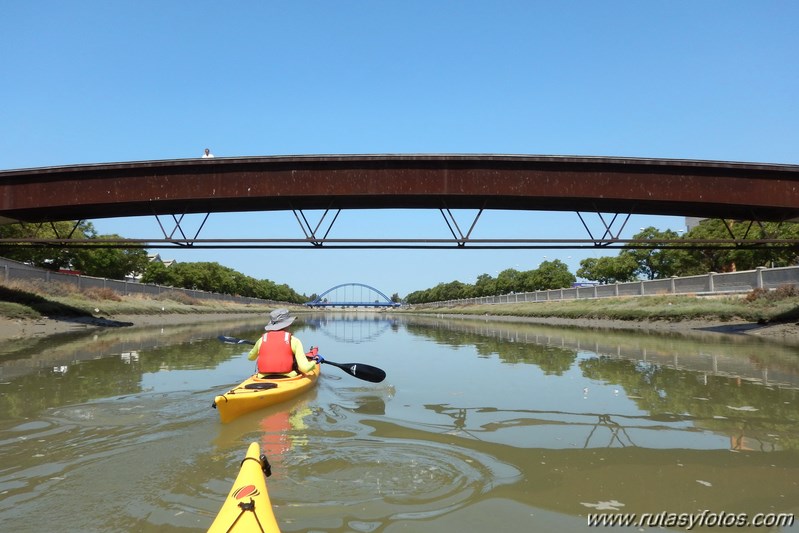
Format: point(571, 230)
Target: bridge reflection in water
point(351, 327)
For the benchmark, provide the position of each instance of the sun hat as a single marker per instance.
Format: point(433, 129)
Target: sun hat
point(279, 319)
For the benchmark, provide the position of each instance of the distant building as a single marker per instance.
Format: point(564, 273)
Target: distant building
point(692, 222)
point(157, 257)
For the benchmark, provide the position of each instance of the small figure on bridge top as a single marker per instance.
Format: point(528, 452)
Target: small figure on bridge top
point(207, 153)
point(278, 351)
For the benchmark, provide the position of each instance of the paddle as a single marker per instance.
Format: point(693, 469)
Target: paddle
point(357, 370)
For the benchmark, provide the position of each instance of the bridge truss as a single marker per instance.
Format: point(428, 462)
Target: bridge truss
point(608, 235)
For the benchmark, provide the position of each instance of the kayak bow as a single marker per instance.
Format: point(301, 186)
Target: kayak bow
point(248, 507)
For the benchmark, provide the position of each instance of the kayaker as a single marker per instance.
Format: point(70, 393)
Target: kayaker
point(278, 351)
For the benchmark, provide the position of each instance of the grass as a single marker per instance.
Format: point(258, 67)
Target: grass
point(755, 307)
point(32, 300)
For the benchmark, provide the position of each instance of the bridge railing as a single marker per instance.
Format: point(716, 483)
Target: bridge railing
point(703, 285)
point(14, 271)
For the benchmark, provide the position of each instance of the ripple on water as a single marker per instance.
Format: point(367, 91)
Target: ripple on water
point(401, 478)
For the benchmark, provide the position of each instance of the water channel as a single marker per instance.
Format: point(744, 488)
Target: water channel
point(479, 426)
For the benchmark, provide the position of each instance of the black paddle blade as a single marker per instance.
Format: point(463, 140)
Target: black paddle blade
point(233, 340)
point(361, 371)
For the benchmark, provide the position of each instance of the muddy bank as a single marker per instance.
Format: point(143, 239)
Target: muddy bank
point(16, 328)
point(781, 332)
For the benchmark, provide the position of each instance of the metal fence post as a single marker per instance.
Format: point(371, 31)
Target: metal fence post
point(711, 287)
point(759, 277)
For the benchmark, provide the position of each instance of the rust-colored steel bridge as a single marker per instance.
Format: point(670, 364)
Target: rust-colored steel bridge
point(613, 188)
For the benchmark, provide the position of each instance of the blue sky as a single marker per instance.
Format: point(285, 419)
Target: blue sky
point(100, 81)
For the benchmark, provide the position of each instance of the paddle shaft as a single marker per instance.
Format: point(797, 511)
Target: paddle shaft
point(357, 370)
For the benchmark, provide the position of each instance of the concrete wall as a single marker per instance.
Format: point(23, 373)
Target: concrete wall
point(705, 285)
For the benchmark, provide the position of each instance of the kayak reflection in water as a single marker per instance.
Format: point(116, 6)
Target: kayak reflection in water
point(278, 351)
point(283, 431)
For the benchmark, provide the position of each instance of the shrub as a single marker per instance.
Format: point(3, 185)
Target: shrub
point(782, 292)
point(756, 294)
point(785, 291)
point(102, 294)
point(42, 287)
point(180, 297)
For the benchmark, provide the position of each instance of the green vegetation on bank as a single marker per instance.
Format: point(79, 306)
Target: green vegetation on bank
point(33, 300)
point(36, 300)
point(655, 257)
point(94, 259)
point(781, 305)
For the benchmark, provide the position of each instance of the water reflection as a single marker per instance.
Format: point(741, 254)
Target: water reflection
point(351, 327)
point(575, 481)
point(729, 386)
point(753, 414)
point(555, 349)
point(478, 426)
point(392, 477)
point(77, 367)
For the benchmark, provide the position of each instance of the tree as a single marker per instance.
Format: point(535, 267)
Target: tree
point(417, 297)
point(608, 269)
point(485, 286)
point(774, 256)
point(654, 262)
point(552, 275)
point(160, 274)
point(700, 259)
point(50, 257)
point(509, 280)
point(113, 263)
point(723, 260)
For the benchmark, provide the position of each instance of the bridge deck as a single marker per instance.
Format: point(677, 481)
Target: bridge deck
point(710, 189)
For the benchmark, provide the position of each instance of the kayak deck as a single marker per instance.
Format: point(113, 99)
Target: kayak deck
point(256, 393)
point(247, 506)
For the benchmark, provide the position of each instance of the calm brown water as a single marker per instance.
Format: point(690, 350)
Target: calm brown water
point(479, 427)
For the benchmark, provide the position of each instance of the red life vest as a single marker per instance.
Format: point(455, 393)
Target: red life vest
point(275, 355)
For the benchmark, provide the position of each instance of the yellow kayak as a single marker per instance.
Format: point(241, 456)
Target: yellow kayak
point(258, 392)
point(247, 507)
